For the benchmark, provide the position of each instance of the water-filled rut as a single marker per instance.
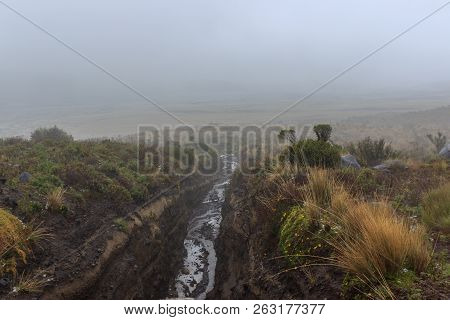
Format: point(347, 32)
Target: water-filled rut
point(196, 276)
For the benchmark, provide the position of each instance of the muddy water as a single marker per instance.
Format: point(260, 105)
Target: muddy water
point(196, 277)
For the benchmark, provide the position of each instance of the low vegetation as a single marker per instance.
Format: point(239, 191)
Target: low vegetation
point(376, 227)
point(72, 188)
point(55, 200)
point(436, 209)
point(439, 141)
point(16, 240)
point(370, 152)
point(309, 152)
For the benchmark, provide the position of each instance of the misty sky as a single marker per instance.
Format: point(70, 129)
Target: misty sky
point(202, 50)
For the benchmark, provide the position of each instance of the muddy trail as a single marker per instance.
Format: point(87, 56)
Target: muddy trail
point(195, 279)
point(167, 251)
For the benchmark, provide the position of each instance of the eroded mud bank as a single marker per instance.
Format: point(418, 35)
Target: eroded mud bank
point(142, 262)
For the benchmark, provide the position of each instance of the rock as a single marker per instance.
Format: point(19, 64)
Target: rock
point(382, 167)
point(445, 152)
point(2, 181)
point(24, 177)
point(349, 161)
point(390, 165)
point(4, 282)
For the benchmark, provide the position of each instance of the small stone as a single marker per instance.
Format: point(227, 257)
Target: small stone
point(24, 177)
point(4, 282)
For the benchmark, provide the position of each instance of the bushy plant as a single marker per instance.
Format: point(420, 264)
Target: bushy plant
point(323, 132)
point(312, 153)
point(300, 238)
point(372, 152)
point(50, 134)
point(439, 141)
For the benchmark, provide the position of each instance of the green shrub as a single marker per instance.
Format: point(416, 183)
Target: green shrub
point(312, 153)
point(29, 207)
point(300, 240)
point(436, 208)
point(50, 134)
point(323, 132)
point(121, 224)
point(372, 152)
point(44, 183)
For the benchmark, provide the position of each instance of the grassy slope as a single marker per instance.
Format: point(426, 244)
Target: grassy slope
point(303, 241)
point(76, 187)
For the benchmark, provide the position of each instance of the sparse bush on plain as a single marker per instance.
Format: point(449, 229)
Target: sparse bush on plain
point(439, 141)
point(312, 153)
point(372, 152)
point(53, 134)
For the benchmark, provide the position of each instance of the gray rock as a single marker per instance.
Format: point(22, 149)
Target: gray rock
point(24, 177)
point(390, 165)
point(382, 167)
point(349, 161)
point(4, 282)
point(445, 152)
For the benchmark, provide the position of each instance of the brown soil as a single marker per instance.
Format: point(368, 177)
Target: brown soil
point(89, 257)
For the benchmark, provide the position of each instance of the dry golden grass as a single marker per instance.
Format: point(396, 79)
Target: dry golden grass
point(372, 241)
point(15, 241)
point(30, 283)
point(376, 241)
point(440, 165)
point(436, 208)
point(279, 186)
point(55, 199)
point(320, 187)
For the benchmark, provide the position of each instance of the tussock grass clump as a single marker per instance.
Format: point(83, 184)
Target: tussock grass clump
point(30, 283)
point(368, 240)
point(55, 200)
point(320, 187)
point(13, 242)
point(376, 243)
point(16, 239)
point(436, 208)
